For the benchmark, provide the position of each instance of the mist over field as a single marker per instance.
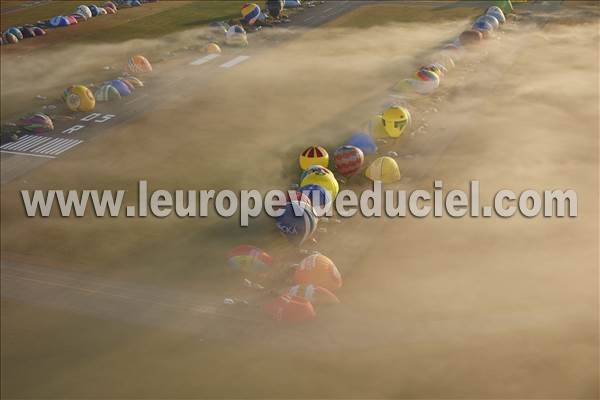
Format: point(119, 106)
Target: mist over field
point(433, 307)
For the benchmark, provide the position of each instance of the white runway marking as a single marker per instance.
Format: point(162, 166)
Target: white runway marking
point(26, 154)
point(308, 19)
point(329, 9)
point(25, 143)
point(44, 146)
point(205, 59)
point(233, 62)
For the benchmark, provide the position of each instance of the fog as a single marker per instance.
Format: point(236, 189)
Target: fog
point(433, 307)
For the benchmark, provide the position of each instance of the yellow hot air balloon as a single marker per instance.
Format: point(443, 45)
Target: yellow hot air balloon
point(384, 169)
point(376, 127)
point(395, 120)
point(314, 155)
point(324, 178)
point(79, 98)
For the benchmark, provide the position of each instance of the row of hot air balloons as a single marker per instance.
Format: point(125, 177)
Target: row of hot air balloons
point(316, 278)
point(80, 98)
point(82, 13)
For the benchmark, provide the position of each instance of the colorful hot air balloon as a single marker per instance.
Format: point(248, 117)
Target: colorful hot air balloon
point(107, 93)
point(110, 4)
point(121, 86)
point(313, 155)
point(326, 179)
point(15, 31)
point(110, 10)
point(27, 32)
point(290, 309)
point(249, 259)
point(250, 13)
point(348, 160)
point(10, 38)
point(437, 68)
point(317, 295)
point(72, 19)
point(36, 123)
point(318, 270)
point(298, 222)
point(79, 98)
point(364, 142)
point(384, 169)
point(484, 27)
point(318, 195)
point(315, 168)
point(139, 64)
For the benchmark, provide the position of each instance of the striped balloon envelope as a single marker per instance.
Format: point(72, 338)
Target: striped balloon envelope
point(250, 13)
point(314, 169)
point(36, 123)
point(107, 93)
point(348, 160)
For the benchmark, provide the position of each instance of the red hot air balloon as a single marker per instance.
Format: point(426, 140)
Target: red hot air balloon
point(291, 309)
point(348, 160)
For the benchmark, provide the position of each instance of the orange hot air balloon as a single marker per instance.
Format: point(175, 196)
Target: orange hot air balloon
point(318, 270)
point(290, 309)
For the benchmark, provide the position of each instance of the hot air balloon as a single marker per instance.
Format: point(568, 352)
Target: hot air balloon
point(298, 222)
point(236, 36)
point(212, 48)
point(107, 93)
point(318, 195)
point(58, 21)
point(139, 64)
point(326, 179)
point(249, 259)
point(384, 169)
point(250, 13)
point(36, 123)
point(315, 168)
point(490, 19)
point(110, 4)
point(348, 160)
point(79, 98)
point(15, 31)
point(497, 13)
point(39, 31)
point(317, 295)
point(84, 10)
point(274, 7)
point(470, 37)
point(364, 142)
point(133, 81)
point(10, 38)
point(121, 86)
point(313, 155)
point(290, 309)
point(396, 119)
point(94, 10)
point(318, 270)
point(27, 32)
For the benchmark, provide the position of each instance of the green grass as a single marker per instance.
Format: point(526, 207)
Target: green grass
point(30, 15)
point(188, 16)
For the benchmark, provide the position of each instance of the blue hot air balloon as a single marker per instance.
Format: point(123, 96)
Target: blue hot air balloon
point(364, 142)
point(298, 222)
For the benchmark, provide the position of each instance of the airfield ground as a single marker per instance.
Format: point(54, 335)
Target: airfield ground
point(431, 308)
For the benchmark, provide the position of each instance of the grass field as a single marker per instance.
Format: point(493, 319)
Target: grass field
point(148, 21)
